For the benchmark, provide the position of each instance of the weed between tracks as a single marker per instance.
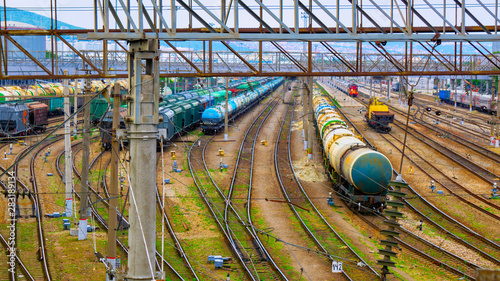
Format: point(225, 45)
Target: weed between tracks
point(276, 248)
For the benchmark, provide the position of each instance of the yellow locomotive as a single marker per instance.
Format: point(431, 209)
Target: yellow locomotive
point(378, 116)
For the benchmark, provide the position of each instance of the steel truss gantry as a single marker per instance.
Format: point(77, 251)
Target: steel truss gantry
point(370, 24)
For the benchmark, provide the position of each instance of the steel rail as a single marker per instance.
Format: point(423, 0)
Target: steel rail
point(24, 269)
point(316, 210)
point(103, 223)
point(230, 204)
point(472, 167)
point(491, 245)
point(203, 192)
point(449, 268)
point(36, 201)
point(486, 243)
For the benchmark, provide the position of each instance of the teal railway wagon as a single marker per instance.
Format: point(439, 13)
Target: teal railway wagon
point(55, 104)
point(195, 111)
point(179, 118)
point(98, 108)
point(170, 99)
point(219, 96)
point(188, 118)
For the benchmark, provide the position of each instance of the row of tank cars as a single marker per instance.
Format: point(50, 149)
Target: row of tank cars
point(184, 111)
point(480, 102)
point(213, 118)
point(361, 174)
point(25, 111)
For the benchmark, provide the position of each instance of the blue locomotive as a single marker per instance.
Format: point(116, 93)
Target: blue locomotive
point(212, 119)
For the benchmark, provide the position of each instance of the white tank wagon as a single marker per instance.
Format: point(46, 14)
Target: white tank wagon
point(362, 174)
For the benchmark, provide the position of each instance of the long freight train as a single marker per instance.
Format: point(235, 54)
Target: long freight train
point(479, 102)
point(361, 174)
point(212, 120)
point(182, 112)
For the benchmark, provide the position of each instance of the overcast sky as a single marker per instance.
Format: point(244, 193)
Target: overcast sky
point(80, 12)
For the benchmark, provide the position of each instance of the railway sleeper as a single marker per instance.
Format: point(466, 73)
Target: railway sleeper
point(262, 256)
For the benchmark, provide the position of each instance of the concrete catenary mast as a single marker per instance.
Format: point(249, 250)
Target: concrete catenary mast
point(304, 112)
point(143, 104)
point(113, 189)
point(68, 172)
point(84, 189)
point(310, 128)
point(225, 115)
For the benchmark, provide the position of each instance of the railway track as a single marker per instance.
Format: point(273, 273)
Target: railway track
point(478, 243)
point(38, 206)
point(480, 135)
point(486, 248)
point(459, 266)
point(333, 248)
point(451, 184)
point(251, 249)
point(99, 218)
point(177, 244)
point(19, 263)
point(229, 212)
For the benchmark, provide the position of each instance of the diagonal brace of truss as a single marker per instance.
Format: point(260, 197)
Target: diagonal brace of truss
point(28, 54)
point(79, 54)
point(240, 57)
point(184, 57)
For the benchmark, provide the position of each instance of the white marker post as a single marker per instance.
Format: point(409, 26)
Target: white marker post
point(336, 266)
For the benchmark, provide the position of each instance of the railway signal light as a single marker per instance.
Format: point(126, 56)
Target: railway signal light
point(438, 112)
point(428, 109)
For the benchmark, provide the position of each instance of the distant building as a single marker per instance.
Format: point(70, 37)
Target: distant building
point(34, 44)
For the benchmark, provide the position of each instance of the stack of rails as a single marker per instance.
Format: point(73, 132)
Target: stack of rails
point(361, 174)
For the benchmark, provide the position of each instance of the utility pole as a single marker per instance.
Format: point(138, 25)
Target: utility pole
point(470, 96)
point(455, 84)
point(388, 89)
point(371, 86)
point(113, 189)
point(225, 115)
point(497, 140)
point(75, 120)
point(68, 171)
point(304, 111)
point(75, 108)
point(143, 103)
point(310, 118)
point(493, 90)
point(84, 189)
